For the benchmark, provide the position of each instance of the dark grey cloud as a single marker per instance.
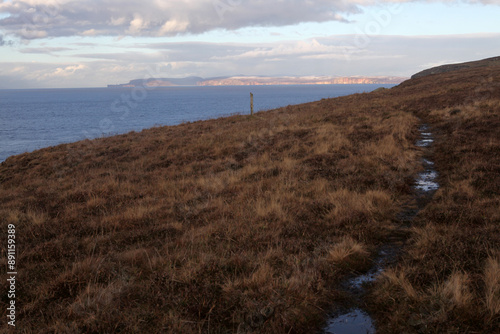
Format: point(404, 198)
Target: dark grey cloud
point(32, 19)
point(35, 19)
point(4, 42)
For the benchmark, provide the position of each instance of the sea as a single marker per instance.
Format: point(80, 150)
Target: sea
point(31, 119)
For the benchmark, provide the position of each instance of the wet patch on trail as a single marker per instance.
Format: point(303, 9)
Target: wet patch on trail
point(353, 319)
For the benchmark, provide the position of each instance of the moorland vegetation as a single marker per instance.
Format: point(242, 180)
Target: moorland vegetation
point(250, 223)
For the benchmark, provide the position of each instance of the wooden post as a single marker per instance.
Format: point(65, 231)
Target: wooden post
point(251, 104)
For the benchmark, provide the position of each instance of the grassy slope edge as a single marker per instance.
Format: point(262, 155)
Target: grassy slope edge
point(247, 224)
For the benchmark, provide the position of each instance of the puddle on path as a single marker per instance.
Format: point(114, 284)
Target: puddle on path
point(426, 181)
point(355, 320)
point(385, 255)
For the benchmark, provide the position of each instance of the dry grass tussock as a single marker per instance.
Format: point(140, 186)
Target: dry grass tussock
point(492, 286)
point(345, 249)
point(241, 222)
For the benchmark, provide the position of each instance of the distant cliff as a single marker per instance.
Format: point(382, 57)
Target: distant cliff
point(161, 82)
point(259, 80)
point(495, 61)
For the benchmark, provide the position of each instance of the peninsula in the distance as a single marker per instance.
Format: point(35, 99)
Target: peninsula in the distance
point(259, 80)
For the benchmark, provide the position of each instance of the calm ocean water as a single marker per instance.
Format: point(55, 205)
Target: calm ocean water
point(33, 119)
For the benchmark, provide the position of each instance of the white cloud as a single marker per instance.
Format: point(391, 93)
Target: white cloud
point(297, 48)
point(90, 32)
point(18, 69)
point(173, 26)
point(31, 34)
point(63, 71)
point(137, 25)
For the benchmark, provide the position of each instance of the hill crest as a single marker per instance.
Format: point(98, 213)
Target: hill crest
point(494, 61)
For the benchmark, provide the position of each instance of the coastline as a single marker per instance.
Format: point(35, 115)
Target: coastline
point(124, 115)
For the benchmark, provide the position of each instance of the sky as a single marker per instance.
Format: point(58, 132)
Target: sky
point(93, 43)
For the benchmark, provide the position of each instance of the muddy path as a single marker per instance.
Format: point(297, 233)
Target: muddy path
point(352, 318)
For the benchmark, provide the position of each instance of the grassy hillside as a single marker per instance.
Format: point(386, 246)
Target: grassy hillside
point(485, 63)
point(248, 224)
point(448, 279)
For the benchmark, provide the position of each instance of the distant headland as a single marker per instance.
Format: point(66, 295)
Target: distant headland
point(242, 80)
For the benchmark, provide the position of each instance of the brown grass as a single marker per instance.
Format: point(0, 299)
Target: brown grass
point(450, 266)
point(347, 248)
point(199, 227)
point(492, 286)
point(248, 224)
